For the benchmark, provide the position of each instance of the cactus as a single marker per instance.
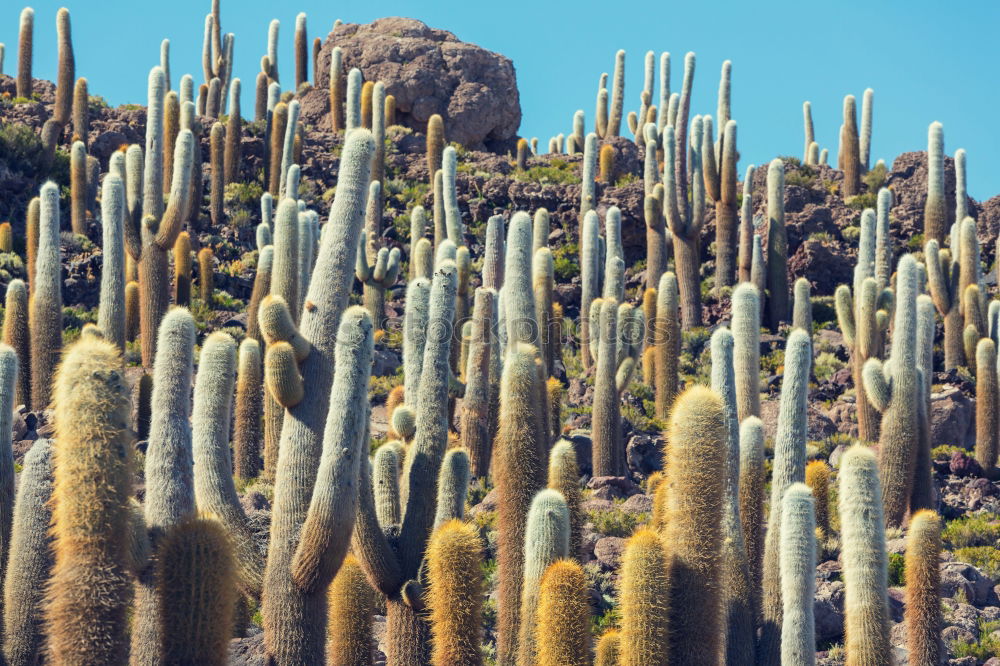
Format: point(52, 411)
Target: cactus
point(475, 416)
point(564, 476)
point(866, 621)
point(818, 479)
point(643, 602)
point(923, 588)
point(24, 53)
point(81, 121)
point(746, 356)
point(943, 282)
point(798, 575)
point(752, 504)
point(377, 268)
point(866, 129)
point(986, 404)
point(249, 404)
point(546, 540)
point(45, 305)
point(349, 618)
point(789, 468)
point(337, 90)
point(777, 246)
point(414, 335)
point(617, 97)
point(668, 344)
point(279, 127)
point(288, 156)
point(588, 191)
point(895, 390)
point(182, 269)
point(16, 335)
point(111, 315)
point(131, 311)
point(78, 188)
point(961, 194)
point(608, 447)
point(8, 377)
point(518, 476)
point(195, 573)
point(922, 496)
point(215, 492)
point(452, 486)
point(378, 124)
point(606, 164)
point(261, 288)
point(385, 478)
point(171, 128)
point(66, 73)
point(802, 306)
point(935, 210)
point(6, 238)
point(693, 529)
point(850, 150)
point(563, 630)
point(26, 574)
point(301, 51)
point(86, 615)
point(720, 180)
point(521, 160)
point(232, 157)
point(435, 144)
point(608, 648)
point(809, 133)
point(590, 281)
point(454, 567)
point(293, 618)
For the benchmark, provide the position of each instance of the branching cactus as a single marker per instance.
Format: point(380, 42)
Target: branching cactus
point(923, 589)
point(644, 604)
point(349, 618)
point(376, 268)
point(546, 540)
point(45, 316)
point(28, 571)
point(454, 567)
point(17, 335)
point(293, 619)
point(894, 389)
point(789, 468)
point(667, 341)
point(86, 615)
point(563, 629)
point(866, 621)
point(798, 575)
point(414, 336)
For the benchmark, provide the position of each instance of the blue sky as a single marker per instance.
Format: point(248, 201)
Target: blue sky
point(925, 60)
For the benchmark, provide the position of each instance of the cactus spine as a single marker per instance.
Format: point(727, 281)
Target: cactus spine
point(349, 625)
point(86, 615)
point(923, 589)
point(111, 314)
point(564, 476)
point(24, 52)
point(789, 468)
point(667, 342)
point(546, 540)
point(777, 246)
point(866, 621)
point(475, 417)
point(563, 616)
point(454, 564)
point(453, 486)
point(798, 575)
point(16, 334)
point(986, 404)
point(45, 306)
point(249, 403)
point(935, 211)
point(752, 504)
point(644, 604)
point(850, 155)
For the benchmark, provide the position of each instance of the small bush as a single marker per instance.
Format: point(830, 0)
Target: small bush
point(984, 558)
point(862, 201)
point(826, 365)
point(615, 522)
point(969, 531)
point(558, 171)
point(897, 570)
point(875, 179)
point(987, 645)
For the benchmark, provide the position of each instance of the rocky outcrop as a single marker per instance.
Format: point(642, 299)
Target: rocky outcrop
point(428, 71)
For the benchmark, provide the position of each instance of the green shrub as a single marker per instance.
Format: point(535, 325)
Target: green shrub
point(558, 171)
point(945, 451)
point(862, 201)
point(616, 522)
point(969, 531)
point(826, 365)
point(987, 645)
point(897, 570)
point(985, 558)
point(875, 179)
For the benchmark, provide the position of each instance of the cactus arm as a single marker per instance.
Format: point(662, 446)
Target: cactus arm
point(281, 374)
point(938, 279)
point(877, 387)
point(180, 190)
point(277, 326)
point(369, 542)
point(844, 304)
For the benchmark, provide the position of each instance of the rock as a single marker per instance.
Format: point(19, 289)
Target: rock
point(248, 651)
point(428, 71)
point(977, 490)
point(828, 611)
point(962, 465)
point(638, 504)
point(959, 576)
point(896, 546)
point(612, 487)
point(963, 661)
point(820, 425)
point(488, 503)
point(953, 419)
point(253, 500)
point(596, 504)
point(644, 454)
point(385, 363)
point(608, 552)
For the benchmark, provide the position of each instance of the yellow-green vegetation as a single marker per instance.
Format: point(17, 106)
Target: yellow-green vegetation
point(986, 558)
point(971, 531)
point(984, 646)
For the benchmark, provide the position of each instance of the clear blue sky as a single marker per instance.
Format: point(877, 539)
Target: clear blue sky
point(925, 60)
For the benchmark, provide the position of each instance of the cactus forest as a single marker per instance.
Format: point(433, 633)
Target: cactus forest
point(339, 380)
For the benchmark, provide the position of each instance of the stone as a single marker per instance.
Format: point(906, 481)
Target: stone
point(953, 419)
point(961, 577)
point(828, 610)
point(428, 71)
point(608, 552)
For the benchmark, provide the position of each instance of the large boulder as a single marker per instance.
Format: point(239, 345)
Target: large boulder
point(428, 71)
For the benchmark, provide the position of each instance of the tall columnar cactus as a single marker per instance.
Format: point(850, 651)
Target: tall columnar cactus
point(617, 96)
point(789, 468)
point(279, 127)
point(182, 269)
point(720, 181)
point(745, 258)
point(736, 593)
point(798, 575)
point(78, 188)
point(385, 480)
point(693, 528)
point(543, 278)
point(865, 145)
point(67, 69)
point(644, 604)
point(667, 341)
point(24, 53)
point(752, 504)
point(590, 280)
point(923, 589)
point(195, 574)
point(777, 246)
point(563, 630)
point(519, 302)
point(293, 619)
point(961, 193)
point(475, 416)
point(802, 306)
point(935, 208)
point(588, 190)
point(288, 151)
point(851, 152)
point(894, 389)
point(922, 495)
point(215, 492)
point(943, 283)
point(8, 376)
point(564, 476)
point(249, 403)
point(986, 404)
point(45, 316)
point(518, 476)
point(261, 288)
point(454, 570)
point(546, 540)
point(131, 311)
point(349, 618)
point(608, 447)
point(28, 571)
point(862, 534)
point(86, 615)
point(377, 268)
point(746, 352)
point(818, 479)
point(16, 334)
point(111, 313)
point(414, 336)
point(452, 486)
point(656, 237)
point(301, 51)
point(81, 120)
